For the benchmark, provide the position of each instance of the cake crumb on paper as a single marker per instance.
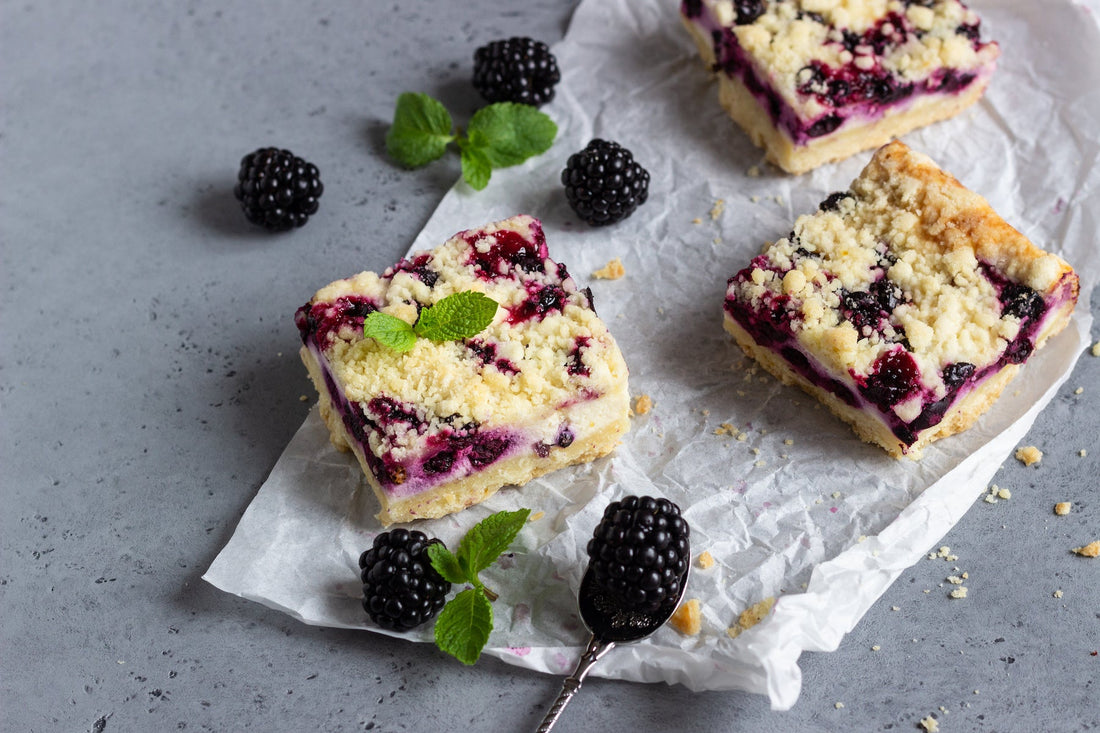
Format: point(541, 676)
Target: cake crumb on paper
point(959, 592)
point(1029, 455)
point(643, 404)
point(1082, 452)
point(725, 428)
point(717, 209)
point(1063, 508)
point(1079, 390)
point(536, 516)
point(751, 616)
point(1096, 349)
point(705, 560)
point(753, 171)
point(613, 270)
point(688, 618)
point(1058, 593)
point(1092, 549)
point(697, 220)
point(838, 705)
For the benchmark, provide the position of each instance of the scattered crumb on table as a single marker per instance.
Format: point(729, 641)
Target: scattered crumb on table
point(1092, 549)
point(930, 724)
point(1063, 508)
point(643, 404)
point(705, 560)
point(1029, 455)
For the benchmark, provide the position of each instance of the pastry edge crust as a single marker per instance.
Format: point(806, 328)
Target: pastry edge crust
point(779, 149)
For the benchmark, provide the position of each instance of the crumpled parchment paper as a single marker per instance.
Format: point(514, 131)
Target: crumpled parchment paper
point(798, 508)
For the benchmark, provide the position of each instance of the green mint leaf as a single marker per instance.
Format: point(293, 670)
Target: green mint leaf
point(389, 331)
point(486, 540)
point(458, 316)
point(420, 132)
point(476, 168)
point(464, 624)
point(446, 564)
point(508, 133)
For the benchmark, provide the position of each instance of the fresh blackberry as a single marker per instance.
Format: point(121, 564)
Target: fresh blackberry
point(640, 552)
point(277, 189)
point(516, 70)
point(603, 183)
point(401, 589)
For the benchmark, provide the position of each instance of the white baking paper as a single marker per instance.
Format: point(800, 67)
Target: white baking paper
point(799, 509)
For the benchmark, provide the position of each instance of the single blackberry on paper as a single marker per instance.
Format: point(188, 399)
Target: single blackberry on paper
point(518, 70)
point(640, 551)
point(603, 183)
point(401, 589)
point(277, 189)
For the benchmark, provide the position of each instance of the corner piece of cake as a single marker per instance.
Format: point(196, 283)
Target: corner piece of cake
point(446, 424)
point(904, 304)
point(812, 81)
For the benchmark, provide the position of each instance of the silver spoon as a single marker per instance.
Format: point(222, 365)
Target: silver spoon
point(609, 624)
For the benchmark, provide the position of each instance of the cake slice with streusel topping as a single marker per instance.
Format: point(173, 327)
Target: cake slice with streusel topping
point(444, 425)
point(817, 80)
point(905, 304)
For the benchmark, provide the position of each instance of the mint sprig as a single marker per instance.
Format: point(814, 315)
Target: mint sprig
point(498, 136)
point(456, 317)
point(463, 626)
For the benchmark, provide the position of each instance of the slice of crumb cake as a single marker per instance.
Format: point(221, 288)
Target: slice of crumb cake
point(446, 424)
point(812, 81)
point(905, 304)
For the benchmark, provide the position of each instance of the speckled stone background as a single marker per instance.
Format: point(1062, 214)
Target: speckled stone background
point(148, 382)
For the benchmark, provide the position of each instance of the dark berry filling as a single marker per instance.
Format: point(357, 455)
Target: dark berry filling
point(541, 301)
point(486, 353)
point(323, 320)
point(509, 251)
point(894, 378)
point(575, 365)
point(418, 266)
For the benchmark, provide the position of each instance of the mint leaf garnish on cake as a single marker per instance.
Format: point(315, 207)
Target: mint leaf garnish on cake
point(464, 625)
point(498, 136)
point(457, 316)
point(389, 331)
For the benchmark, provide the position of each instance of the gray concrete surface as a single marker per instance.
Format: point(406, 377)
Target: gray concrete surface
point(148, 382)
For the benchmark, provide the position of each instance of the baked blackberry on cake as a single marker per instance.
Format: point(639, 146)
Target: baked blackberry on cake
point(905, 304)
point(445, 424)
point(817, 80)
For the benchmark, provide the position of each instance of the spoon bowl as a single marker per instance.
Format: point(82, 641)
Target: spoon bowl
point(609, 622)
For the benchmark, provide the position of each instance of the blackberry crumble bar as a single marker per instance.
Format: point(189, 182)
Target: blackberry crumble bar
point(812, 81)
point(446, 424)
point(904, 304)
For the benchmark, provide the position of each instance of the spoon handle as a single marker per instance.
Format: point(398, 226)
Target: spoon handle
point(592, 654)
